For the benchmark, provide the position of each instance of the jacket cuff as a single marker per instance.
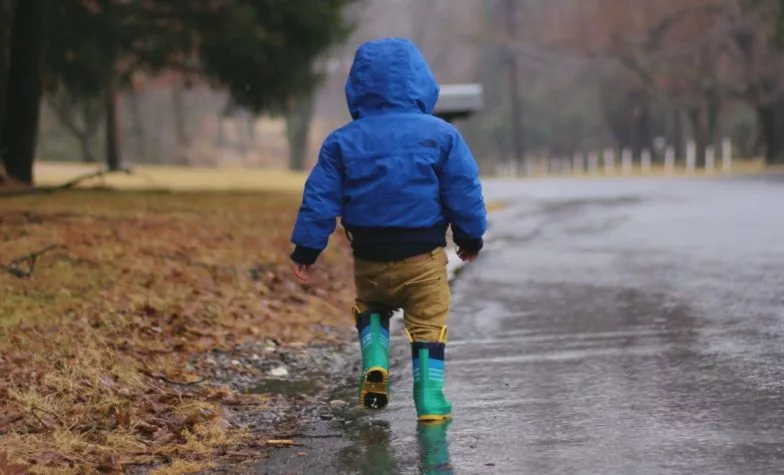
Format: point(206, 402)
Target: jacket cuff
point(305, 255)
point(471, 245)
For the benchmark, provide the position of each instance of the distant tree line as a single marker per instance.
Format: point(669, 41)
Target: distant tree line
point(79, 54)
point(578, 75)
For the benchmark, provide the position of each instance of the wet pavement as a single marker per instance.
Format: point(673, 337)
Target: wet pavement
point(612, 326)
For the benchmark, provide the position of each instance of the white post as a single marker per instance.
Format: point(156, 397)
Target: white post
point(566, 164)
point(626, 161)
point(691, 156)
point(530, 166)
point(710, 159)
point(645, 161)
point(726, 155)
point(552, 165)
point(669, 160)
point(579, 162)
point(544, 165)
point(609, 160)
point(593, 163)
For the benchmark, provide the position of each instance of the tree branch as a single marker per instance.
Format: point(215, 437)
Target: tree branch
point(63, 187)
point(16, 269)
point(62, 112)
point(166, 380)
point(657, 34)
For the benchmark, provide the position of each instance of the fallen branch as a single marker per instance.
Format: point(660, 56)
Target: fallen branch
point(53, 414)
point(64, 186)
point(299, 435)
point(40, 421)
point(15, 266)
point(70, 184)
point(282, 443)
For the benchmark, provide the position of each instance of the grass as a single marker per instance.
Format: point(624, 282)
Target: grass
point(175, 178)
point(182, 178)
point(135, 288)
point(144, 284)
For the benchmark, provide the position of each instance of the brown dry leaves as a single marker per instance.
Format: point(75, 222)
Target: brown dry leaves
point(97, 348)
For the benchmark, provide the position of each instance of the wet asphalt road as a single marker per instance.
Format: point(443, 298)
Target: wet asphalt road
point(629, 327)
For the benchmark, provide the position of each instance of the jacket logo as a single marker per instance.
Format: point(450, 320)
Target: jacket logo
point(429, 143)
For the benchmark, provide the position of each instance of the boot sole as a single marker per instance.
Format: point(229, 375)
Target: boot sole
point(374, 394)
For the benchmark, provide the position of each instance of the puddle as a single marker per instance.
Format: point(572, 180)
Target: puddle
point(371, 446)
point(350, 440)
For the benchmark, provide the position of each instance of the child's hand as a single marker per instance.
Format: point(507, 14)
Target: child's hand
point(466, 256)
point(302, 272)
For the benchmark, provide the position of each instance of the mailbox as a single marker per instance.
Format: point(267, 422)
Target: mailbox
point(459, 101)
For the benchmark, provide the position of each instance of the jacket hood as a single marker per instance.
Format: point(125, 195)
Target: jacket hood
point(390, 75)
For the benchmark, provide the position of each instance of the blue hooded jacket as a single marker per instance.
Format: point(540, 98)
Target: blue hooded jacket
point(397, 175)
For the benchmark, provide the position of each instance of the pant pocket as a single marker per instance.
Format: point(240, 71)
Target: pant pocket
point(425, 289)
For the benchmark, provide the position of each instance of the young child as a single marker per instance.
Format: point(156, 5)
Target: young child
point(398, 177)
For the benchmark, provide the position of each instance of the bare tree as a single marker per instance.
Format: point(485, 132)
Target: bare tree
point(509, 12)
point(180, 121)
point(138, 133)
point(112, 116)
point(298, 120)
point(757, 44)
point(81, 117)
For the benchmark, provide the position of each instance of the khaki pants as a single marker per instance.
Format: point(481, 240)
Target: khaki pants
point(417, 285)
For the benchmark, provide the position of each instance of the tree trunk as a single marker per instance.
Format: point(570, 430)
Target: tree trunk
point(678, 139)
point(137, 126)
point(479, 130)
point(638, 108)
point(180, 125)
point(23, 91)
point(516, 108)
point(634, 136)
point(771, 122)
point(220, 134)
point(112, 128)
point(628, 116)
point(700, 133)
point(86, 147)
point(5, 24)
point(298, 120)
point(81, 118)
point(250, 123)
point(714, 114)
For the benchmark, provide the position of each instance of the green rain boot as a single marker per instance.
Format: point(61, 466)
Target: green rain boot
point(373, 329)
point(428, 364)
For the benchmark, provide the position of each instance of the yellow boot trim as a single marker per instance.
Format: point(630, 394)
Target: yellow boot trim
point(441, 336)
point(434, 418)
